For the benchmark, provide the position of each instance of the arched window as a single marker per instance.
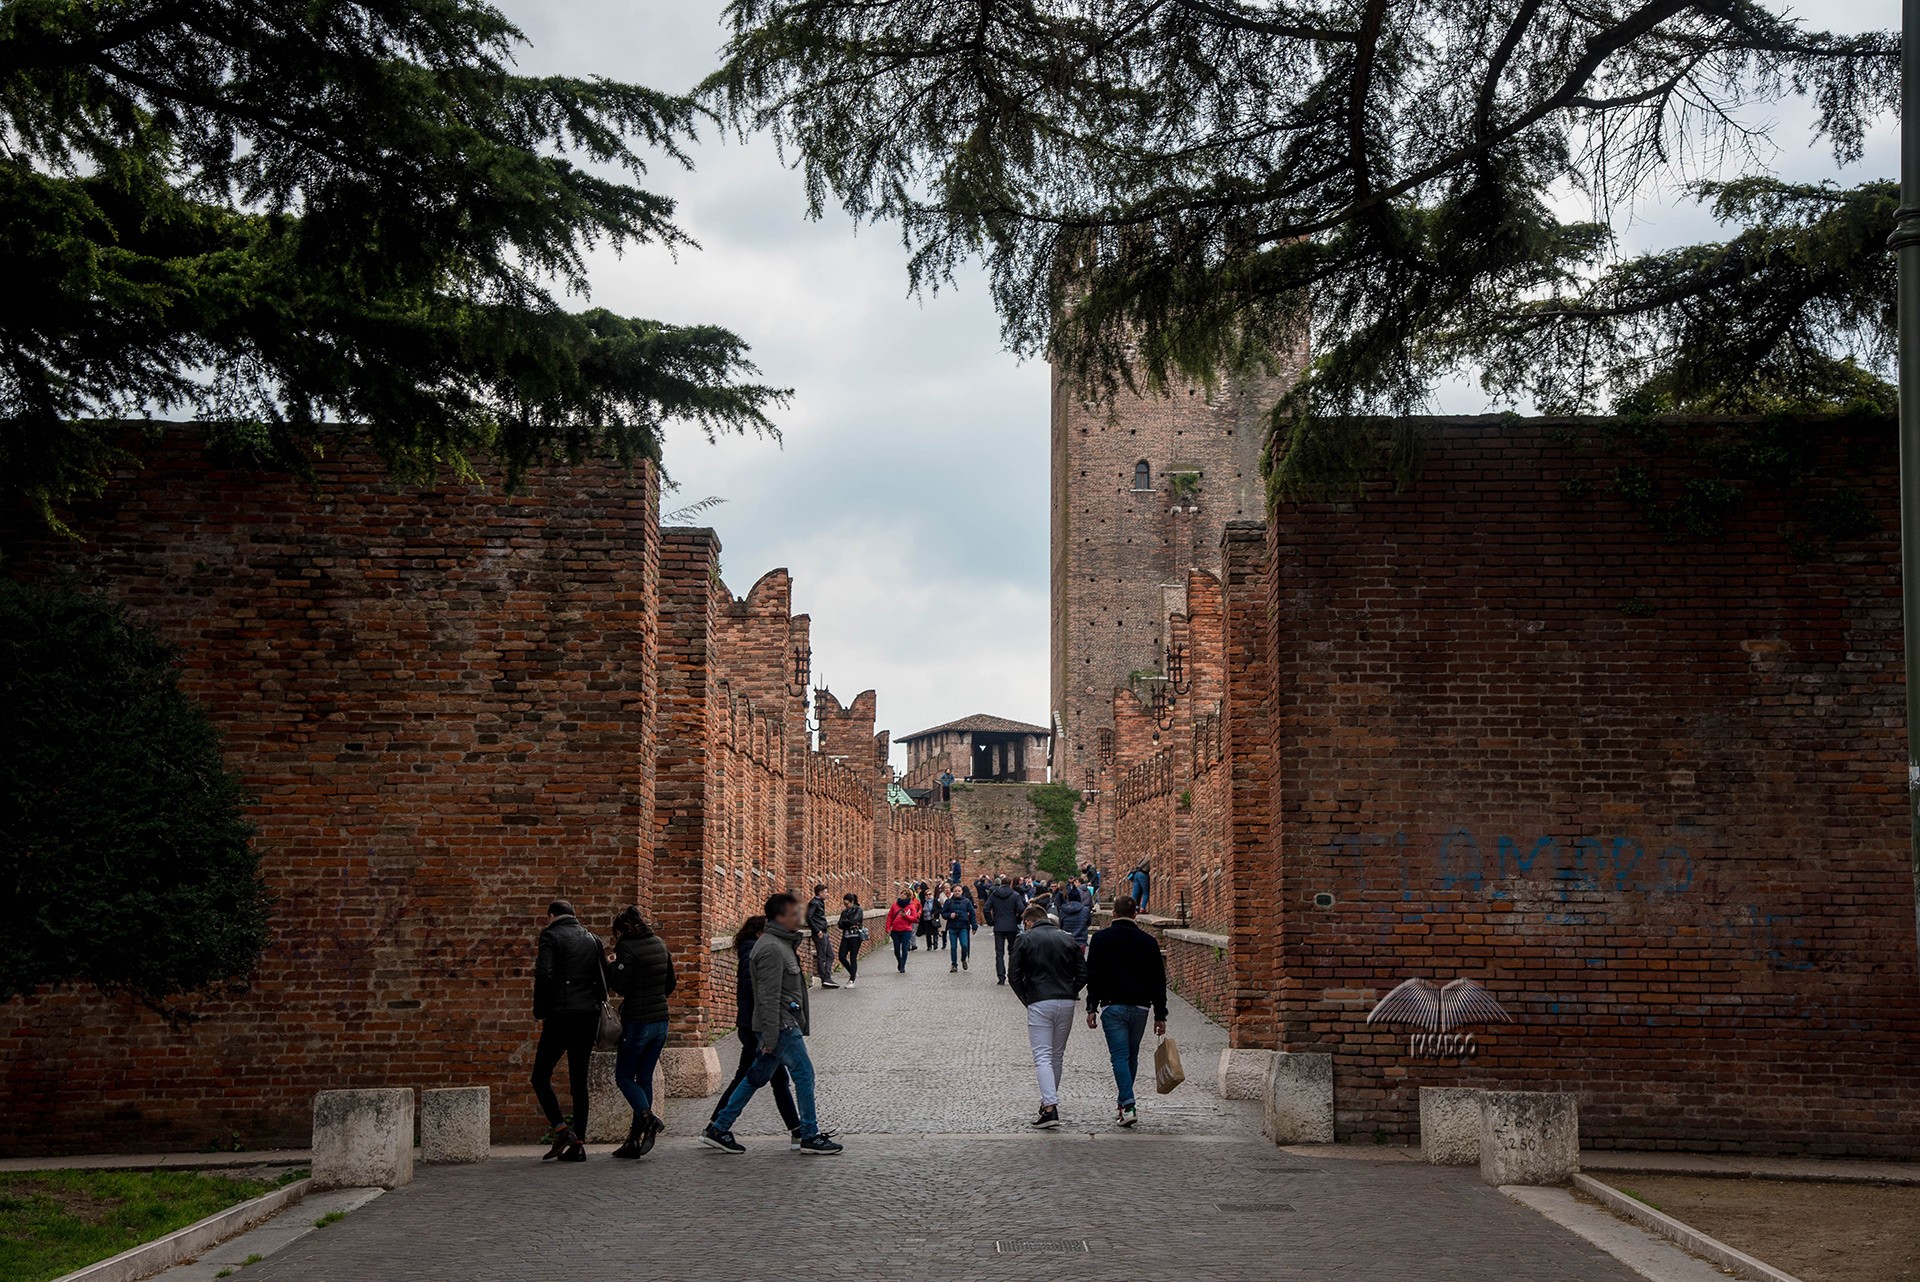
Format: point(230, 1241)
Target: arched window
point(1142, 476)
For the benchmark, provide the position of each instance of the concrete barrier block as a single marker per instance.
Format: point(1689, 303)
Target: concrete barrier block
point(608, 1113)
point(362, 1139)
point(456, 1124)
point(1529, 1137)
point(1243, 1072)
point(1298, 1098)
point(691, 1072)
point(1450, 1125)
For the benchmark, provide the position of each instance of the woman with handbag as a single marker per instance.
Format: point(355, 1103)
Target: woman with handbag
point(743, 941)
point(853, 936)
point(640, 969)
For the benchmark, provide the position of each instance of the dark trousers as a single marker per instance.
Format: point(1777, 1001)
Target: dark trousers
point(781, 1083)
point(850, 956)
point(1002, 940)
point(573, 1036)
point(823, 955)
point(902, 945)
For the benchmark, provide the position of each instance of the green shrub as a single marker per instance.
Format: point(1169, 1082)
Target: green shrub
point(127, 860)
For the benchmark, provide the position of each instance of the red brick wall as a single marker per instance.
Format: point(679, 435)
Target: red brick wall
point(924, 843)
point(1251, 872)
point(694, 865)
point(1115, 550)
point(441, 700)
point(1201, 972)
point(1209, 845)
point(1648, 790)
point(1143, 829)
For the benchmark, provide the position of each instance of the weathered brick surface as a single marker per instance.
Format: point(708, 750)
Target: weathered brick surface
point(442, 700)
point(746, 807)
point(1120, 554)
point(997, 828)
point(1670, 839)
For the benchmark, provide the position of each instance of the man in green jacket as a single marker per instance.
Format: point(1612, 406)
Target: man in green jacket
point(781, 1021)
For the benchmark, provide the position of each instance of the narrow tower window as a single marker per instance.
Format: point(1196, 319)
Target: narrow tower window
point(1142, 476)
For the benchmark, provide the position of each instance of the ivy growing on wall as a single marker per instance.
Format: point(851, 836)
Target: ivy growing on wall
point(1057, 802)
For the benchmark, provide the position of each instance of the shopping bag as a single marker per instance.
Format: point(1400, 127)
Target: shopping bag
point(1167, 1072)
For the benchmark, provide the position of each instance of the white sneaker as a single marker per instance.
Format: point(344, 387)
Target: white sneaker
point(851, 984)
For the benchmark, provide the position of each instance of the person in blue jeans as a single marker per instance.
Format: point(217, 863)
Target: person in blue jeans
point(781, 1021)
point(1140, 886)
point(1126, 981)
point(640, 969)
point(961, 920)
point(902, 920)
point(744, 940)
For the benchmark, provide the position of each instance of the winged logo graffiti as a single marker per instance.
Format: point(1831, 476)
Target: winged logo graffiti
point(1439, 1015)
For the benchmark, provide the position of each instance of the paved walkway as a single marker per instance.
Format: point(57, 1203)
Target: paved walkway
point(930, 1052)
point(928, 1079)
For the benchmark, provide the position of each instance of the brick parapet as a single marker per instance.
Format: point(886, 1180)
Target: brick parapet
point(1648, 788)
point(442, 698)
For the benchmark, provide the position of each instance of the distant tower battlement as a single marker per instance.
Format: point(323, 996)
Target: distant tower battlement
point(1142, 491)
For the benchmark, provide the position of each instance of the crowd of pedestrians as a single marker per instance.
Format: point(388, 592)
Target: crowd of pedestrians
point(1044, 948)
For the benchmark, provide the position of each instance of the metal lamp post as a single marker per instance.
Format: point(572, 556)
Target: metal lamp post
point(1905, 243)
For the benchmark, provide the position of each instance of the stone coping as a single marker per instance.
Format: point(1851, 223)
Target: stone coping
point(1200, 937)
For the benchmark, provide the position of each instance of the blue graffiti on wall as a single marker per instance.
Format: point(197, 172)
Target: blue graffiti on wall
point(1621, 864)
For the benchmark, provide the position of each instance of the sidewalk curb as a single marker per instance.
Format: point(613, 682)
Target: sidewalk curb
point(190, 1242)
point(1742, 1264)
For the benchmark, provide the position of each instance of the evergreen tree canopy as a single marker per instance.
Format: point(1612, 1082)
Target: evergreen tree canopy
point(271, 213)
point(126, 860)
point(1165, 189)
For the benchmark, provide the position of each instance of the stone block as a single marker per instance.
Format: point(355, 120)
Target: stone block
point(1529, 1137)
point(1298, 1098)
point(1243, 1072)
point(608, 1114)
point(456, 1124)
point(1450, 1125)
point(691, 1072)
point(362, 1139)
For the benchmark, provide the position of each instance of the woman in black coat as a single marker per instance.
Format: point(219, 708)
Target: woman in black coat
point(640, 969)
point(743, 941)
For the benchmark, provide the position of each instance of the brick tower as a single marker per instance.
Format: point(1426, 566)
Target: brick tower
point(1142, 492)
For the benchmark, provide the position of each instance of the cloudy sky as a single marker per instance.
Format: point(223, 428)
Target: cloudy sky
point(908, 494)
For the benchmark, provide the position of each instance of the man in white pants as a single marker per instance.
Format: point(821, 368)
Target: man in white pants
point(1047, 972)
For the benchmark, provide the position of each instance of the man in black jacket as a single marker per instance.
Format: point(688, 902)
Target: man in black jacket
point(818, 927)
point(1126, 974)
point(1047, 972)
point(569, 986)
point(1002, 910)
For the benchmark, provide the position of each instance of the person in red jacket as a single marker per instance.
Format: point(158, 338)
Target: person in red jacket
point(901, 919)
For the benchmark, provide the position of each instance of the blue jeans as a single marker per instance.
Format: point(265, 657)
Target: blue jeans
point(640, 1047)
point(791, 1051)
point(1124, 1027)
point(902, 945)
point(959, 943)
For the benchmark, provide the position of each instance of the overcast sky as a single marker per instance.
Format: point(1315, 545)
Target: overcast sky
point(909, 493)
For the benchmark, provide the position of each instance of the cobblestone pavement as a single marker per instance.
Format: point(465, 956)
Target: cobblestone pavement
point(923, 1075)
point(1147, 1208)
point(930, 1052)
